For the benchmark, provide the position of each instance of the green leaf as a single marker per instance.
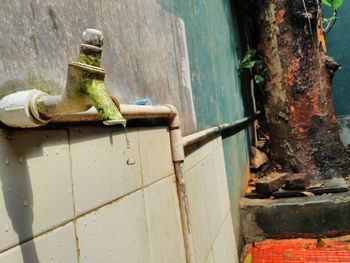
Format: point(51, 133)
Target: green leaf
point(337, 3)
point(248, 64)
point(248, 258)
point(325, 2)
point(259, 79)
point(248, 55)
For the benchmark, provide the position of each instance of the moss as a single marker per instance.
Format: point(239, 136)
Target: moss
point(41, 107)
point(31, 82)
point(102, 101)
point(90, 60)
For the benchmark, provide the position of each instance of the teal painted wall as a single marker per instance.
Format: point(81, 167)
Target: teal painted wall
point(213, 47)
point(338, 41)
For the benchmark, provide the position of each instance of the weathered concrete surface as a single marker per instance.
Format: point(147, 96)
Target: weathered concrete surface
point(311, 217)
point(144, 51)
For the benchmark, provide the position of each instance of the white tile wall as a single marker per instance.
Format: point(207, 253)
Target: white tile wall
point(197, 152)
point(216, 191)
point(155, 154)
point(124, 222)
point(208, 197)
point(35, 184)
point(225, 248)
point(57, 246)
point(210, 258)
point(198, 212)
point(103, 167)
point(115, 233)
point(164, 222)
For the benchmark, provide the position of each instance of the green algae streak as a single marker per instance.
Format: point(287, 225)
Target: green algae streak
point(90, 60)
point(102, 101)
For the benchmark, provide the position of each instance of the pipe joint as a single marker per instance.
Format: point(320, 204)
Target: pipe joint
point(18, 109)
point(174, 118)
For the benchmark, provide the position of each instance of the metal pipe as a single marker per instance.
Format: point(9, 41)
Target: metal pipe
point(129, 112)
point(178, 155)
point(184, 208)
point(212, 131)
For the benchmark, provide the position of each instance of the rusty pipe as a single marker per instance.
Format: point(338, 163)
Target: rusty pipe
point(217, 129)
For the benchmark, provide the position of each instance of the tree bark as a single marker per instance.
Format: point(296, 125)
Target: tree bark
point(299, 108)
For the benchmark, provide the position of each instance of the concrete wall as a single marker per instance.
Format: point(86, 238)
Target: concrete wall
point(83, 193)
point(144, 52)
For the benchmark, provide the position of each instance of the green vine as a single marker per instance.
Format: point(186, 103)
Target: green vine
point(329, 22)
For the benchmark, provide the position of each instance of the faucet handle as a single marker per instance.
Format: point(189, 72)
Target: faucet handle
point(93, 37)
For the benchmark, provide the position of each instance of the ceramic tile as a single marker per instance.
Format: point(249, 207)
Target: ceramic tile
point(36, 184)
point(104, 168)
point(225, 248)
point(197, 152)
point(155, 151)
point(164, 222)
point(216, 196)
point(210, 258)
point(198, 212)
point(115, 233)
point(56, 246)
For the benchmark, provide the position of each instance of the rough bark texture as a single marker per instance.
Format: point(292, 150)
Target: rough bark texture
point(300, 114)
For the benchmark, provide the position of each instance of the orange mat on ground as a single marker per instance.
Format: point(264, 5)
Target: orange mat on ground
point(299, 250)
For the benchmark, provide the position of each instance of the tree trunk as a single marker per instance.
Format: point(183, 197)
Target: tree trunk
point(299, 107)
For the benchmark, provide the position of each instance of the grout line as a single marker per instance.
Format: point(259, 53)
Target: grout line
point(63, 224)
point(147, 226)
point(73, 196)
point(75, 218)
point(217, 234)
point(220, 227)
point(119, 198)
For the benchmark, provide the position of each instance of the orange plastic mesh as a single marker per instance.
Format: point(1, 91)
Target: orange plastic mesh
point(299, 250)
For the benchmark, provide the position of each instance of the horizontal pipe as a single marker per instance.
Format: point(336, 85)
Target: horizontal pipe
point(128, 111)
point(217, 129)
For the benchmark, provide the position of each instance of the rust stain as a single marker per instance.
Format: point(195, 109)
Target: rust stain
point(301, 130)
point(316, 110)
point(280, 14)
point(293, 68)
point(301, 117)
point(300, 109)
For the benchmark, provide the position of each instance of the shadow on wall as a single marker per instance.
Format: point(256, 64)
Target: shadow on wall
point(17, 189)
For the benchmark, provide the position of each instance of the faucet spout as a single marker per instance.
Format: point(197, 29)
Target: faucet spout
point(85, 86)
